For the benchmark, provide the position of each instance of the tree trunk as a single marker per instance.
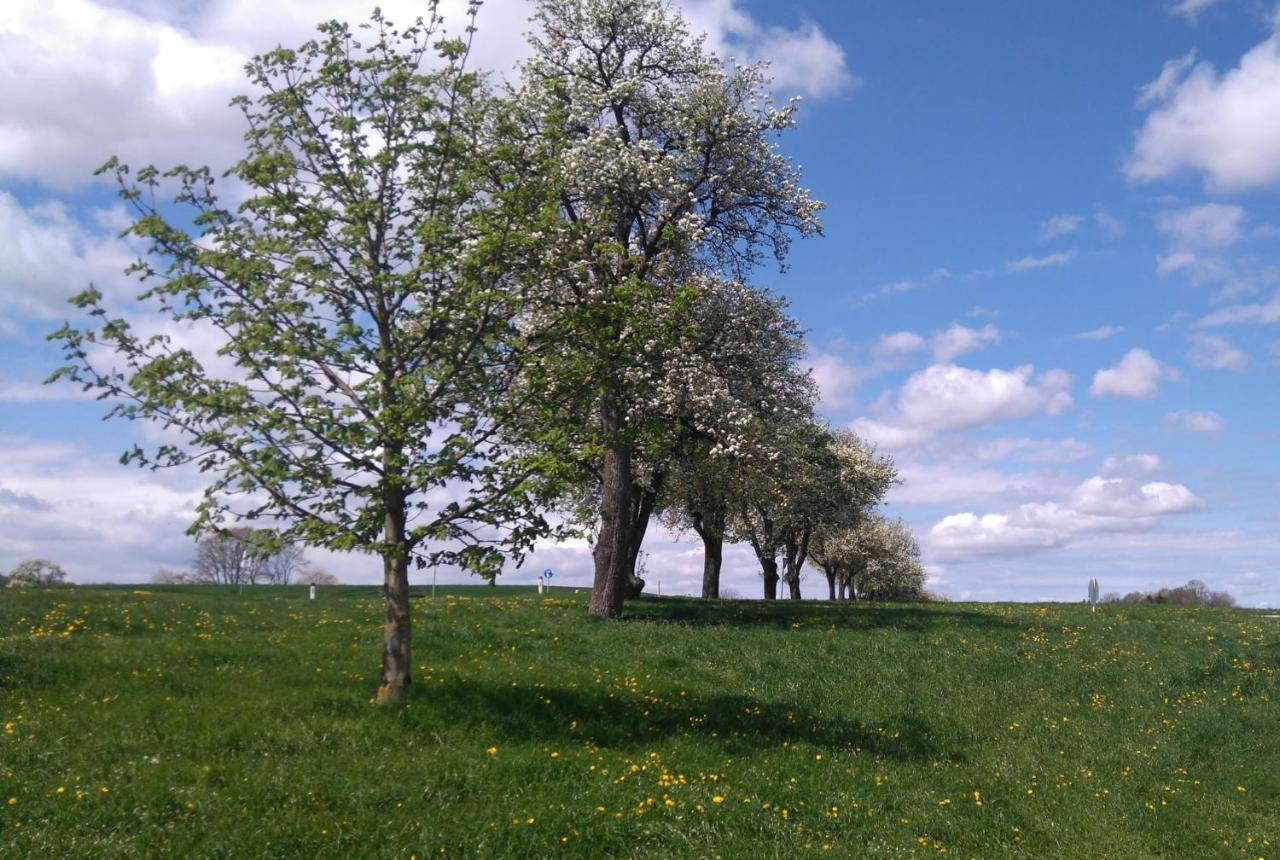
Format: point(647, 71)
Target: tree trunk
point(711, 529)
point(794, 549)
point(831, 584)
point(397, 633)
point(643, 500)
point(769, 567)
point(612, 554)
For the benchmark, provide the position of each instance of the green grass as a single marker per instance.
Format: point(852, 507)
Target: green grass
point(200, 723)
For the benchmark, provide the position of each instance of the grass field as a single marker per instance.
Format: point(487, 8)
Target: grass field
point(194, 722)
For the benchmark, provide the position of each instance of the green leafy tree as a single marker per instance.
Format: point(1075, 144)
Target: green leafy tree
point(360, 297)
point(664, 169)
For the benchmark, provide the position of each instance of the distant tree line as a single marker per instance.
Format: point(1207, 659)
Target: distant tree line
point(245, 556)
point(1194, 593)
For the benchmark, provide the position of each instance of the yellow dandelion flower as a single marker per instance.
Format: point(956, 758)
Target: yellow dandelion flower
point(717, 799)
point(492, 750)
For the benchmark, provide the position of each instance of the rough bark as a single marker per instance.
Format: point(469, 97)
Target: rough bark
point(643, 501)
point(710, 527)
point(831, 584)
point(611, 553)
point(397, 633)
point(769, 567)
point(795, 547)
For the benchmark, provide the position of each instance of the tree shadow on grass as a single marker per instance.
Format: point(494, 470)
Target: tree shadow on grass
point(786, 614)
point(626, 719)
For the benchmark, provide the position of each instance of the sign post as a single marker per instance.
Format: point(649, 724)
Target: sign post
point(543, 581)
point(1093, 594)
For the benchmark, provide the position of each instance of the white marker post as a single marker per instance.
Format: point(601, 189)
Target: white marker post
point(1093, 594)
point(313, 591)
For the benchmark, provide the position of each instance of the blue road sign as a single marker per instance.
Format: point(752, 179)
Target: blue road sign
point(547, 574)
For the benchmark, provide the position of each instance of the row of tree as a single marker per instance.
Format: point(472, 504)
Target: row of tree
point(1194, 593)
point(458, 319)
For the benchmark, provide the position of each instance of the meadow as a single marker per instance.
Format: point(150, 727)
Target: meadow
point(198, 722)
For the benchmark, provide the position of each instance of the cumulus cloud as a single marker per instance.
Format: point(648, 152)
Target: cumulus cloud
point(1224, 126)
point(151, 81)
point(945, 397)
point(1119, 497)
point(1129, 465)
point(1195, 422)
point(898, 342)
point(46, 256)
point(948, 397)
point(1215, 352)
point(885, 434)
point(1100, 504)
point(958, 340)
point(802, 60)
point(1060, 225)
point(836, 378)
point(1137, 376)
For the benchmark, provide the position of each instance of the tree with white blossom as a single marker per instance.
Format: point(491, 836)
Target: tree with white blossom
point(666, 177)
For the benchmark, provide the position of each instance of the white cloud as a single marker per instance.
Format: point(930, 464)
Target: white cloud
point(1162, 87)
point(907, 285)
point(1137, 376)
point(898, 342)
point(803, 60)
point(1129, 465)
point(888, 435)
point(958, 340)
point(1190, 9)
point(1111, 226)
point(1101, 333)
point(835, 377)
point(1212, 226)
point(1225, 126)
point(1034, 450)
point(1196, 422)
point(945, 397)
point(46, 256)
point(1027, 264)
point(151, 81)
point(1169, 263)
point(1120, 497)
point(1255, 314)
point(1214, 352)
point(1098, 505)
point(1060, 225)
point(110, 82)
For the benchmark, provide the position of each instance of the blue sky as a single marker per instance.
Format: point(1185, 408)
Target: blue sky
point(1049, 285)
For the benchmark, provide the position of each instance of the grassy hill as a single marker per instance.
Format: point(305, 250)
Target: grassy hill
point(196, 722)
